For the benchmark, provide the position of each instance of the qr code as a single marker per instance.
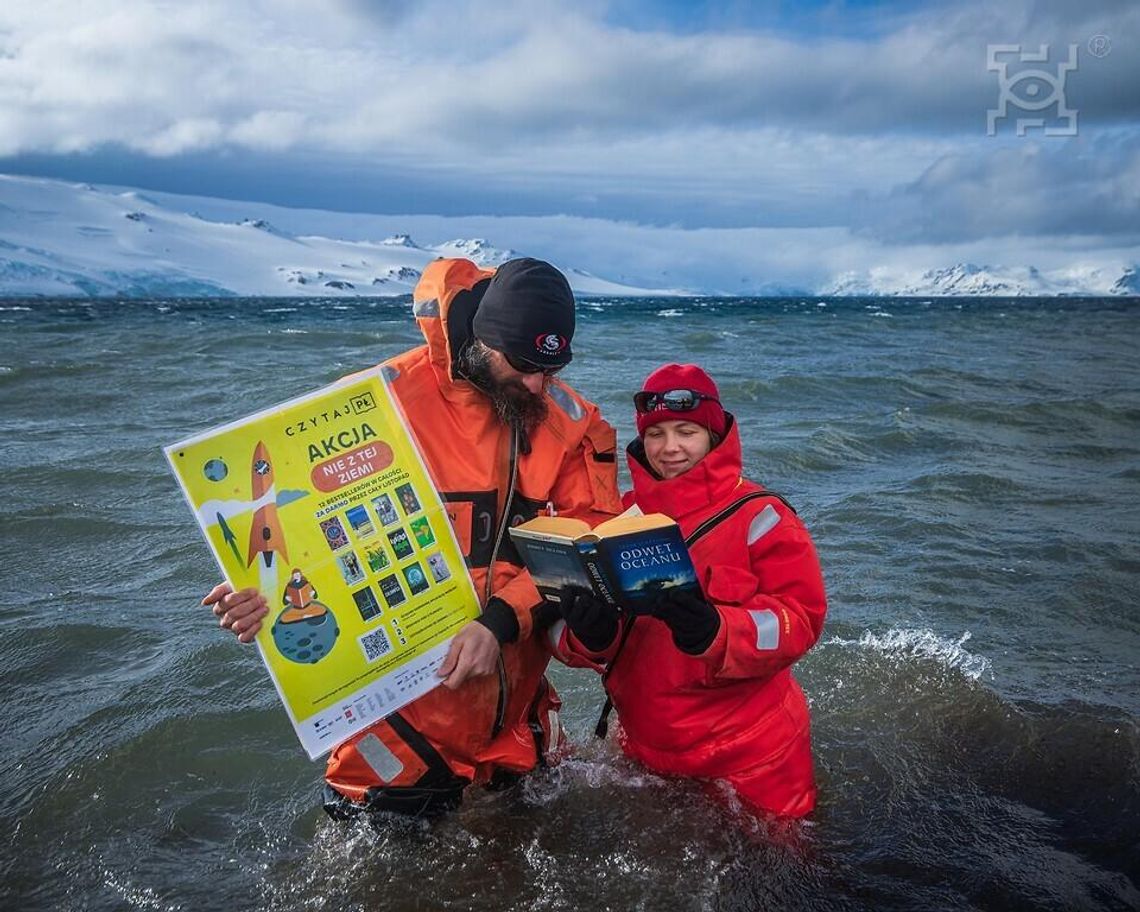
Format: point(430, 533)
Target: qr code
point(375, 644)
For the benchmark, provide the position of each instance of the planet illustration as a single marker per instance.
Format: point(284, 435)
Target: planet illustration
point(306, 641)
point(215, 470)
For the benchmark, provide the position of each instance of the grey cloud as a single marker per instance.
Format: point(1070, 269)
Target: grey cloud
point(1077, 187)
point(462, 108)
point(928, 74)
point(373, 75)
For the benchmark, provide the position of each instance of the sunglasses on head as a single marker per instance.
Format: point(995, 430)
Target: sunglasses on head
point(529, 367)
point(678, 400)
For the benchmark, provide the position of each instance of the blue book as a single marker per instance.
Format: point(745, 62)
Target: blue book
point(626, 561)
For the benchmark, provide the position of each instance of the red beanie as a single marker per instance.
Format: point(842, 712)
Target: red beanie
point(709, 413)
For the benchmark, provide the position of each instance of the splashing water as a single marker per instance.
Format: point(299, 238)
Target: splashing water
point(923, 644)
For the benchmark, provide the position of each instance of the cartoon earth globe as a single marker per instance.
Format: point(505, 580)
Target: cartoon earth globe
point(215, 470)
point(306, 641)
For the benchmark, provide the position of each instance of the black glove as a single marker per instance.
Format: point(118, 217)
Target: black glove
point(693, 621)
point(593, 622)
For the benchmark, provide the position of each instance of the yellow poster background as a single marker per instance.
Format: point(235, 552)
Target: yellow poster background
point(324, 504)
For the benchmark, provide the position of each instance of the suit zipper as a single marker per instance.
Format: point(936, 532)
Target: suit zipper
point(504, 522)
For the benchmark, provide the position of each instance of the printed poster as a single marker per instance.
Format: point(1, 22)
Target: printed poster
point(325, 505)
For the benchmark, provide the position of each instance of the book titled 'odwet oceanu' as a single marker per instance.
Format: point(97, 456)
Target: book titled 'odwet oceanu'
point(625, 561)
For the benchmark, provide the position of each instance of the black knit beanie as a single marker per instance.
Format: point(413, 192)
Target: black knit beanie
point(527, 312)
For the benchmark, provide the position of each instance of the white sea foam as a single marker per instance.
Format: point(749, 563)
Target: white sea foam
point(576, 772)
point(136, 897)
point(923, 644)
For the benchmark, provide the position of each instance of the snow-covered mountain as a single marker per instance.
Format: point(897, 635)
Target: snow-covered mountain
point(64, 239)
point(59, 238)
point(967, 279)
point(1128, 283)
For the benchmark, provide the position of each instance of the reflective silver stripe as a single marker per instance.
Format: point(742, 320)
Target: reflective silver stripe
point(379, 757)
point(555, 634)
point(767, 629)
point(562, 398)
point(429, 307)
point(763, 523)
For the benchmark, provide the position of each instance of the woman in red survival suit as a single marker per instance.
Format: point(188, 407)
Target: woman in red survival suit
point(703, 682)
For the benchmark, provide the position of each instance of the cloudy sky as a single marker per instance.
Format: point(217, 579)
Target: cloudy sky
point(855, 129)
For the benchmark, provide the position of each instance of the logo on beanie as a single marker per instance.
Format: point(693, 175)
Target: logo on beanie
point(551, 343)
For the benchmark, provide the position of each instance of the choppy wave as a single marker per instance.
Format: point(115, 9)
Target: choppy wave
point(970, 482)
point(923, 644)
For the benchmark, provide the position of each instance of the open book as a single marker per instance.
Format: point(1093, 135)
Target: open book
point(625, 561)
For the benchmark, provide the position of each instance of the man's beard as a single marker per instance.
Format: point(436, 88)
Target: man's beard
point(513, 402)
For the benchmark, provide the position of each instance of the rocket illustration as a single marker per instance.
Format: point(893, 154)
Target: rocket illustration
point(265, 535)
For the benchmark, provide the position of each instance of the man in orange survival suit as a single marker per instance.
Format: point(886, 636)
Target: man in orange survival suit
point(502, 438)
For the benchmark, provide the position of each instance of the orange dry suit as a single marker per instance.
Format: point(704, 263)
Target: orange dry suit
point(734, 712)
point(490, 476)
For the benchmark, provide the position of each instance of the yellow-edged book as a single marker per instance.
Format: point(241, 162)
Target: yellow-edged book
point(626, 561)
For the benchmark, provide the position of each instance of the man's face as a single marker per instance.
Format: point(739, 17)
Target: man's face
point(515, 381)
point(517, 396)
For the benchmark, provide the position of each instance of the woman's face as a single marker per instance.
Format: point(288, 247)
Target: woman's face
point(674, 447)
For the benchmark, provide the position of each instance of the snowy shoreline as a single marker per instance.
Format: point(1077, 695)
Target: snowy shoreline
point(59, 239)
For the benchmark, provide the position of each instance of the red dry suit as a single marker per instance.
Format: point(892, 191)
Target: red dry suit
point(489, 479)
point(734, 712)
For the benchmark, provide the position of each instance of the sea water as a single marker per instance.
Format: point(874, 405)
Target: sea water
point(969, 469)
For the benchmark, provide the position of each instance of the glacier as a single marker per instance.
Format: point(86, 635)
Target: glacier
point(59, 238)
